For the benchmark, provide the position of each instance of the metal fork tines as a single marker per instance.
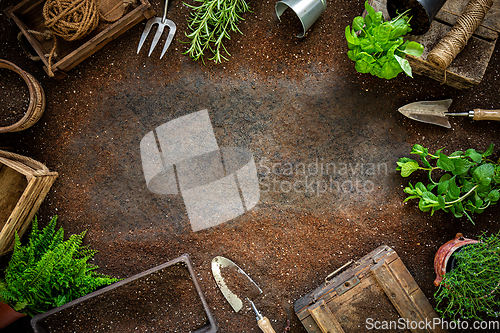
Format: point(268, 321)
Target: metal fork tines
point(162, 22)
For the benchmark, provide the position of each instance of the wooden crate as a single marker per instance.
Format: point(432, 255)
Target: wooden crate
point(468, 68)
point(377, 287)
point(28, 16)
point(24, 183)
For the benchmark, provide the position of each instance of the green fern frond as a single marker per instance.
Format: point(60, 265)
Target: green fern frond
point(49, 271)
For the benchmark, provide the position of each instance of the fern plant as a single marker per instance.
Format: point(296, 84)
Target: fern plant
point(49, 271)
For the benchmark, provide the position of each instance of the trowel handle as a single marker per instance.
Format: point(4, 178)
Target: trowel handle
point(480, 114)
point(265, 325)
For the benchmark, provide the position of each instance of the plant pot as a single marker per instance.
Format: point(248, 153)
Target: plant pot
point(307, 11)
point(8, 315)
point(423, 12)
point(443, 255)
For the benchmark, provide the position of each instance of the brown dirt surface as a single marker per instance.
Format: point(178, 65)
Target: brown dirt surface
point(325, 141)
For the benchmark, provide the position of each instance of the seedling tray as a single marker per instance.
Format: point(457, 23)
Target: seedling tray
point(24, 183)
point(28, 16)
point(124, 303)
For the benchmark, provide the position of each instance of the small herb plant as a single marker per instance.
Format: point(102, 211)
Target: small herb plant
point(469, 182)
point(380, 48)
point(49, 271)
point(210, 23)
point(471, 289)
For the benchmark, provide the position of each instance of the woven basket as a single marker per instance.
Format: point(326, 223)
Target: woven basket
point(37, 100)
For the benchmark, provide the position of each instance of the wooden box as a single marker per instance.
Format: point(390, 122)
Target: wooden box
point(24, 183)
point(374, 291)
point(468, 68)
point(28, 17)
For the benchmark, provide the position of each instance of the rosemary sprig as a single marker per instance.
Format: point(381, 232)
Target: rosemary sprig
point(210, 23)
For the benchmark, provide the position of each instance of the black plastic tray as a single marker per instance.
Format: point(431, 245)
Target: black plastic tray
point(38, 321)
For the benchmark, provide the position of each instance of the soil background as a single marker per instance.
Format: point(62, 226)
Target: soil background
point(292, 102)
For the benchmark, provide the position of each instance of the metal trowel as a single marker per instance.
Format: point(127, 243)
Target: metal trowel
point(237, 286)
point(436, 112)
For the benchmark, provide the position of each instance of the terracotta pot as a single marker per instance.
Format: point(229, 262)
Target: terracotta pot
point(445, 252)
point(8, 315)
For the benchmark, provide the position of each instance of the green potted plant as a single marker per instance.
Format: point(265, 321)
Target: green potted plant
point(469, 181)
point(48, 272)
point(423, 12)
point(378, 47)
point(470, 288)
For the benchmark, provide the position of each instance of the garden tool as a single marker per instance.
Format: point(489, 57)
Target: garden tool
point(436, 112)
point(162, 22)
point(236, 285)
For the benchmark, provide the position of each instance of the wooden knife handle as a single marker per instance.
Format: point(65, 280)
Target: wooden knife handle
point(480, 114)
point(265, 325)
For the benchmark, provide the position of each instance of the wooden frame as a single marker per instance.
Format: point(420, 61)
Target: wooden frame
point(28, 16)
point(378, 286)
point(24, 183)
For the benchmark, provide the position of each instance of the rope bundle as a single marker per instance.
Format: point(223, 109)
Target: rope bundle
point(456, 39)
point(71, 19)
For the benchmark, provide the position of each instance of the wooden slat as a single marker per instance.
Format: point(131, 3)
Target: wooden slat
point(324, 318)
point(397, 294)
point(481, 32)
point(403, 276)
point(491, 20)
point(421, 302)
point(12, 185)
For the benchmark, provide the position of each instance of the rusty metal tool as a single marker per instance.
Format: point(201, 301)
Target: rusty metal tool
point(236, 285)
point(162, 22)
point(436, 112)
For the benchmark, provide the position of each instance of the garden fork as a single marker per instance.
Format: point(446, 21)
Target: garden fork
point(162, 22)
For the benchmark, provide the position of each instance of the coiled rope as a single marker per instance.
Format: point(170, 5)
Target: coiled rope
point(456, 39)
point(71, 19)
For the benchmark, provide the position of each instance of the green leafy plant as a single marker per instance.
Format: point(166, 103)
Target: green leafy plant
point(471, 289)
point(210, 23)
point(49, 271)
point(380, 48)
point(469, 181)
